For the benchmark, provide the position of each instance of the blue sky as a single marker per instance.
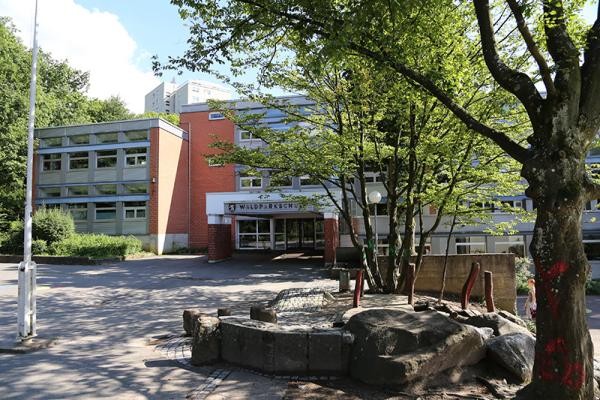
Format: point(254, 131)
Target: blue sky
point(115, 40)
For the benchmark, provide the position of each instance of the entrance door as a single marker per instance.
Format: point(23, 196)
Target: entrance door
point(300, 233)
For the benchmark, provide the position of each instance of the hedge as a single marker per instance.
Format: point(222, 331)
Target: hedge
point(96, 246)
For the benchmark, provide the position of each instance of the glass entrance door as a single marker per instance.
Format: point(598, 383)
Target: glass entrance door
point(307, 232)
point(292, 234)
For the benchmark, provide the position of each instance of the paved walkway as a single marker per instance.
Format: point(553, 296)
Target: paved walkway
point(107, 319)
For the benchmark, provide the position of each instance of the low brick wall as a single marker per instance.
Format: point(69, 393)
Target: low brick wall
point(501, 265)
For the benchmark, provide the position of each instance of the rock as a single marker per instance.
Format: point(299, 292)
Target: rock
point(206, 340)
point(499, 324)
point(223, 312)
point(485, 332)
point(395, 346)
point(264, 314)
point(189, 317)
point(512, 318)
point(515, 352)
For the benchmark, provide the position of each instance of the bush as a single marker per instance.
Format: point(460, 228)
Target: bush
point(96, 246)
point(39, 247)
point(522, 272)
point(13, 239)
point(52, 225)
point(592, 287)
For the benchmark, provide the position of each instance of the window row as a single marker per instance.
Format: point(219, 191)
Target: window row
point(502, 244)
point(256, 182)
point(134, 157)
point(100, 138)
point(131, 210)
point(93, 190)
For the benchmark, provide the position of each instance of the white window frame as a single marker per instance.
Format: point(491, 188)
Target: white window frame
point(137, 157)
point(136, 210)
point(96, 209)
point(102, 157)
point(256, 235)
point(71, 158)
point(470, 244)
point(215, 116)
point(242, 132)
point(252, 180)
point(51, 161)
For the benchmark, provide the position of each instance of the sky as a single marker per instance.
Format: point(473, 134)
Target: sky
point(115, 39)
point(112, 39)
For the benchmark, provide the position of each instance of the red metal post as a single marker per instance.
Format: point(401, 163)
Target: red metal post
point(468, 286)
point(489, 291)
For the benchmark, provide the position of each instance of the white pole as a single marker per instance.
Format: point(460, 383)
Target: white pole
point(26, 318)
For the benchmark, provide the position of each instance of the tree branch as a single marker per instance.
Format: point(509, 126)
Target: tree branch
point(589, 117)
point(532, 47)
point(515, 82)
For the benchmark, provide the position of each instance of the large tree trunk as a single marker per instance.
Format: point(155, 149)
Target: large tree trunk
point(564, 351)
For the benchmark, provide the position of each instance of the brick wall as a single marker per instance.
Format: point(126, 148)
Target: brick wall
point(220, 245)
point(205, 179)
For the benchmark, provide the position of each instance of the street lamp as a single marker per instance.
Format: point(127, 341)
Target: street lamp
point(375, 198)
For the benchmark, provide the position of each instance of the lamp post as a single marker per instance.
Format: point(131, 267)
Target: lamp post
point(26, 311)
point(375, 198)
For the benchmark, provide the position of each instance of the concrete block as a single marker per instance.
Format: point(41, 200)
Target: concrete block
point(206, 341)
point(291, 352)
point(189, 317)
point(325, 353)
point(247, 345)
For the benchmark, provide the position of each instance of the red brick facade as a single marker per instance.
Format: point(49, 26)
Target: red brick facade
point(220, 246)
point(205, 179)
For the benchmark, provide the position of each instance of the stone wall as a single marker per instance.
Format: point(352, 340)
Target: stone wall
point(502, 266)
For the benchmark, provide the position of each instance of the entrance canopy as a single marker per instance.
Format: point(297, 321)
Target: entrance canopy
point(267, 204)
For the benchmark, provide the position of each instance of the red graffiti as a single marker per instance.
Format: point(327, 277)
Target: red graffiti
point(554, 359)
point(547, 278)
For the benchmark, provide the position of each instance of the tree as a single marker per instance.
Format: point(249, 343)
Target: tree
point(564, 122)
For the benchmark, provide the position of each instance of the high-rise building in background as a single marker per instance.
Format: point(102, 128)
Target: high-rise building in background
point(170, 97)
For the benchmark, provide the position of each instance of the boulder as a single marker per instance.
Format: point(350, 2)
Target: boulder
point(206, 340)
point(512, 318)
point(189, 317)
point(499, 324)
point(393, 346)
point(515, 352)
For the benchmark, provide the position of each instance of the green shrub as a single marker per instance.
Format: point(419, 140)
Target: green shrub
point(522, 272)
point(52, 225)
point(39, 247)
point(592, 287)
point(96, 246)
point(13, 242)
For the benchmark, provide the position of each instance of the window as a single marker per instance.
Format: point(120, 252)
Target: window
point(77, 191)
point(106, 211)
point(136, 188)
point(106, 159)
point(215, 116)
point(246, 135)
point(137, 136)
point(78, 211)
point(280, 181)
point(250, 182)
point(107, 138)
point(591, 245)
point(79, 140)
point(381, 209)
point(51, 162)
point(135, 157)
point(134, 209)
point(78, 160)
point(50, 192)
point(510, 244)
point(106, 190)
point(309, 181)
point(52, 142)
point(508, 204)
point(254, 234)
point(470, 245)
